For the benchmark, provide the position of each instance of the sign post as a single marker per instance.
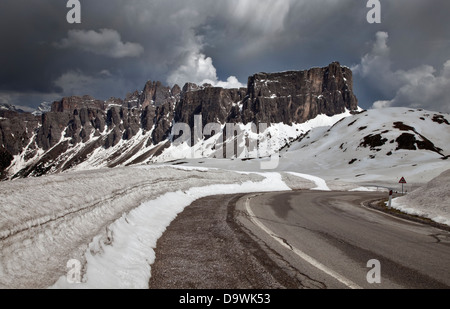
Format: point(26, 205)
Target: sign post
point(403, 182)
point(390, 199)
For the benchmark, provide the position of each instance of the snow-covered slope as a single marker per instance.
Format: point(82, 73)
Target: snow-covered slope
point(373, 147)
point(382, 144)
point(431, 200)
point(247, 143)
point(43, 108)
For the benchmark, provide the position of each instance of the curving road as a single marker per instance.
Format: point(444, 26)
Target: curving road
point(330, 237)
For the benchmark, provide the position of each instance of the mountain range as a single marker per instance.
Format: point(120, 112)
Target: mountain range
point(112, 132)
point(81, 132)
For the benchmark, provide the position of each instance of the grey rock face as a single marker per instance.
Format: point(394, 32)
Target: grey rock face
point(16, 131)
point(75, 102)
point(297, 96)
point(156, 94)
point(212, 103)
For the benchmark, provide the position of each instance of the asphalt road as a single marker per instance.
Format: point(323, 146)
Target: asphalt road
point(329, 237)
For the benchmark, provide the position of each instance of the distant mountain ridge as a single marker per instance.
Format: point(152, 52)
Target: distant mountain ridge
point(83, 131)
point(43, 108)
point(10, 108)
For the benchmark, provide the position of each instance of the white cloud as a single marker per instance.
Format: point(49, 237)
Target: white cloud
point(375, 66)
point(381, 104)
point(232, 82)
point(423, 87)
point(199, 69)
point(196, 69)
point(106, 42)
point(377, 59)
point(420, 87)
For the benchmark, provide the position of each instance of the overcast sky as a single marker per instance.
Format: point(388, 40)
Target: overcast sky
point(119, 45)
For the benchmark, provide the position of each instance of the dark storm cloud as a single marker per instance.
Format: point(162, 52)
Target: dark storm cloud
point(121, 44)
point(26, 58)
point(106, 42)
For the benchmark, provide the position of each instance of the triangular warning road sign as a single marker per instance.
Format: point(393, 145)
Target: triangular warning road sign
point(403, 180)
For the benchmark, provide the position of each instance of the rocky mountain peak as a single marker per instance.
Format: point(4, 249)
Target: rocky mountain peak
point(137, 128)
point(156, 94)
point(296, 96)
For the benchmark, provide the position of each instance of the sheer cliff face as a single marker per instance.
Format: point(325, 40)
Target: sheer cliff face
point(287, 97)
point(297, 96)
point(76, 127)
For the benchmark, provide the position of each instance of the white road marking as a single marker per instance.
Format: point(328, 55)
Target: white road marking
point(300, 253)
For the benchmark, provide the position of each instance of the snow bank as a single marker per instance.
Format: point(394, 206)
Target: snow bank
point(431, 200)
point(109, 220)
point(320, 183)
point(50, 220)
point(124, 261)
